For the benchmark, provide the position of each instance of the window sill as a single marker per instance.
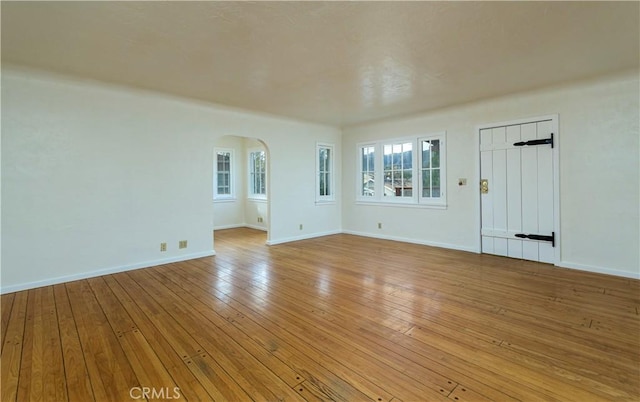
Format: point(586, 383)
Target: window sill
point(220, 200)
point(401, 204)
point(255, 199)
point(325, 202)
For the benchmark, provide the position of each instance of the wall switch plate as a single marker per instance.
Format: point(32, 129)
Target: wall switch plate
point(182, 244)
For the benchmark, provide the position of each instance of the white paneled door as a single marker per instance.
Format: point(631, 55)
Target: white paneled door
point(518, 200)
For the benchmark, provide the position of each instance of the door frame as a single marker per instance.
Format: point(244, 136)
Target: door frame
point(555, 125)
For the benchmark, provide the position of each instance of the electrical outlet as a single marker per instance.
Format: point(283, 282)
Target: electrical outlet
point(182, 244)
point(379, 225)
point(301, 226)
point(163, 246)
point(259, 219)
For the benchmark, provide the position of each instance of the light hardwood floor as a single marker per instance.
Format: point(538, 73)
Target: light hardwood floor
point(339, 317)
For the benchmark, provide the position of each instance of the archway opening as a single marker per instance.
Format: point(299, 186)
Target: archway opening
point(240, 184)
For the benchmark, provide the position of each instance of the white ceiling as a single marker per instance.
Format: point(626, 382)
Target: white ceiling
point(338, 63)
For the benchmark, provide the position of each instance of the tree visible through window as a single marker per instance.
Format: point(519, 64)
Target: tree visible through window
point(410, 171)
point(368, 174)
point(398, 169)
point(430, 168)
point(257, 174)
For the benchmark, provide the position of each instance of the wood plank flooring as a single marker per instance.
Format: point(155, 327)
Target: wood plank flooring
point(334, 318)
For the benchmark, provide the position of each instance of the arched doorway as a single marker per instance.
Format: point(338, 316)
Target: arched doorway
point(241, 184)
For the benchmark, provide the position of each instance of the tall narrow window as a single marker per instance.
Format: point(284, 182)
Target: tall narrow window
point(325, 176)
point(398, 169)
point(432, 168)
point(367, 172)
point(257, 174)
point(222, 174)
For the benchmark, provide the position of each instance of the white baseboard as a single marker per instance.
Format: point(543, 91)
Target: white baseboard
point(413, 241)
point(100, 272)
point(234, 226)
point(240, 225)
point(302, 237)
point(147, 264)
point(599, 270)
point(255, 227)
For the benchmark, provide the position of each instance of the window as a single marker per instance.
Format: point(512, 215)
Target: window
point(407, 171)
point(430, 168)
point(325, 176)
point(257, 174)
point(222, 174)
point(367, 174)
point(397, 162)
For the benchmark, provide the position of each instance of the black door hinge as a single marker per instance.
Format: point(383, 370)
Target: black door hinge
point(535, 142)
point(551, 238)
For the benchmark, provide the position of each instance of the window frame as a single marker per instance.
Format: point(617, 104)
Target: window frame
point(330, 172)
point(251, 194)
point(416, 199)
point(442, 200)
point(392, 143)
point(232, 188)
point(361, 172)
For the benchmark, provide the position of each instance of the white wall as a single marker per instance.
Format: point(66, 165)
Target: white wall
point(95, 177)
point(599, 173)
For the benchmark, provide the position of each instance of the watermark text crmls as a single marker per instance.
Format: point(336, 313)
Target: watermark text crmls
point(155, 393)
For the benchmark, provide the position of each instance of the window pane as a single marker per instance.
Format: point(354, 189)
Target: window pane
point(387, 157)
point(257, 173)
point(407, 188)
point(389, 190)
point(435, 183)
point(224, 187)
point(323, 188)
point(327, 160)
point(407, 155)
point(262, 186)
point(426, 154)
point(426, 183)
point(435, 153)
point(368, 185)
point(365, 159)
point(327, 182)
point(407, 175)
